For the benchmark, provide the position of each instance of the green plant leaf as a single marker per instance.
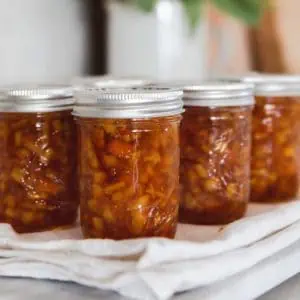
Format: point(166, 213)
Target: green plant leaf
point(249, 11)
point(145, 5)
point(193, 11)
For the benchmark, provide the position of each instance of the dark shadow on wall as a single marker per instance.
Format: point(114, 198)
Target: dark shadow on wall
point(97, 21)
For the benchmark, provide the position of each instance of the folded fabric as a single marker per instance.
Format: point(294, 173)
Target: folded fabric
point(200, 256)
point(253, 282)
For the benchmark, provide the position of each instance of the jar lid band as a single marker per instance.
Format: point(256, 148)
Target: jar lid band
point(271, 85)
point(214, 93)
point(140, 102)
point(39, 98)
point(275, 85)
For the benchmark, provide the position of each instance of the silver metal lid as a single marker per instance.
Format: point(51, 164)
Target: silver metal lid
point(128, 103)
point(107, 81)
point(37, 98)
point(215, 93)
point(274, 85)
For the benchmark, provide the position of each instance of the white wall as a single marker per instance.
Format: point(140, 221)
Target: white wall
point(42, 40)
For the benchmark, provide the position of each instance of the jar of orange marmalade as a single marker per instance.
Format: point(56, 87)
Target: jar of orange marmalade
point(128, 161)
point(215, 152)
point(275, 172)
point(38, 158)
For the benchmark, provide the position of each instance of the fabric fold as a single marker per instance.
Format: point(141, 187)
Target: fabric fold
point(200, 257)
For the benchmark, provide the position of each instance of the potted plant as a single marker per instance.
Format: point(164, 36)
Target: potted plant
point(166, 39)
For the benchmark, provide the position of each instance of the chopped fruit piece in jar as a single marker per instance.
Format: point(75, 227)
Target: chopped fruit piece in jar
point(139, 221)
point(99, 177)
point(110, 161)
point(98, 224)
point(117, 197)
point(97, 191)
point(27, 217)
point(119, 148)
point(109, 189)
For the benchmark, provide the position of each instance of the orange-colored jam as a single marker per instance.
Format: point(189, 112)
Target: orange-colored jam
point(215, 164)
point(129, 177)
point(275, 174)
point(38, 170)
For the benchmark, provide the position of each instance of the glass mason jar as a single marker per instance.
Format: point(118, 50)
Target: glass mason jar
point(38, 158)
point(215, 152)
point(275, 165)
point(129, 161)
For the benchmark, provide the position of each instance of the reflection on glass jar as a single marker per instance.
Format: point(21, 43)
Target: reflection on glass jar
point(215, 153)
point(129, 167)
point(38, 161)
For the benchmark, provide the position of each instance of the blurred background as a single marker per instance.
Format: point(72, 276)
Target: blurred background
point(56, 40)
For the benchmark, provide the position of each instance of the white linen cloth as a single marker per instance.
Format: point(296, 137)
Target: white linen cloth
point(244, 259)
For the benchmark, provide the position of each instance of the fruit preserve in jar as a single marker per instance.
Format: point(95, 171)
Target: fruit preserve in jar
point(38, 158)
point(215, 152)
point(128, 161)
point(275, 164)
